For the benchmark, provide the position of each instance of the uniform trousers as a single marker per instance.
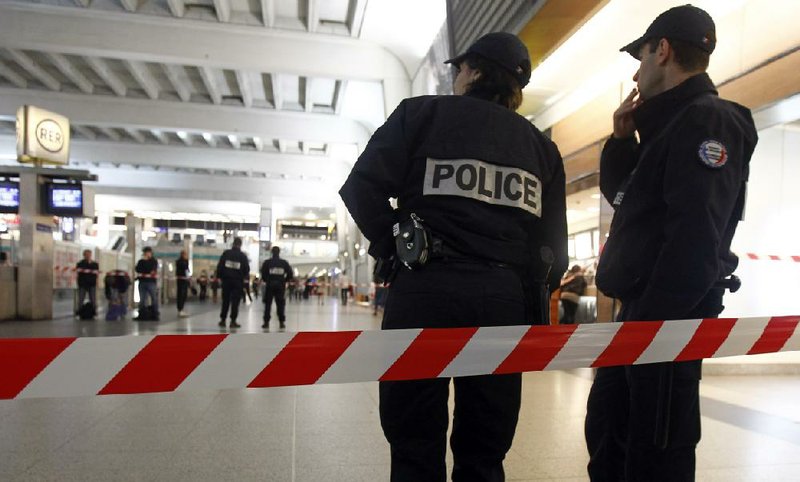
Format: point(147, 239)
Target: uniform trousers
point(278, 293)
point(414, 414)
point(627, 404)
point(232, 290)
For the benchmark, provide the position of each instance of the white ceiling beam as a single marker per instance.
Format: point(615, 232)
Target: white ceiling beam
point(190, 117)
point(130, 5)
point(207, 74)
point(82, 3)
point(312, 11)
point(223, 8)
point(244, 88)
point(210, 139)
point(277, 96)
point(13, 77)
point(177, 7)
point(172, 72)
point(282, 146)
point(108, 132)
point(160, 135)
point(41, 28)
point(85, 131)
point(355, 16)
point(234, 141)
point(338, 96)
point(136, 135)
point(103, 71)
point(268, 12)
point(65, 67)
point(143, 77)
point(304, 146)
point(259, 143)
point(309, 100)
point(185, 137)
point(36, 71)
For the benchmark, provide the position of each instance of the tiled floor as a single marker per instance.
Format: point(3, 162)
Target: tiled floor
point(751, 424)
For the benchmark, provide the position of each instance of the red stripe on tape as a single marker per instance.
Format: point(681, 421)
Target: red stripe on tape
point(536, 349)
point(707, 339)
point(774, 258)
point(304, 359)
point(796, 258)
point(752, 255)
point(776, 334)
point(163, 364)
point(22, 359)
point(628, 344)
point(430, 353)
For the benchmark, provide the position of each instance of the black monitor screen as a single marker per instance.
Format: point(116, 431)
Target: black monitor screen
point(64, 199)
point(9, 197)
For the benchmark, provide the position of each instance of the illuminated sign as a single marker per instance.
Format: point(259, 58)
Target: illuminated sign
point(42, 136)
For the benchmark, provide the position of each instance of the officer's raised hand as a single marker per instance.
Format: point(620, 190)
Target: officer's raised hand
point(623, 116)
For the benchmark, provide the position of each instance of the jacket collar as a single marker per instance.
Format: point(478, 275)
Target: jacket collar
point(656, 112)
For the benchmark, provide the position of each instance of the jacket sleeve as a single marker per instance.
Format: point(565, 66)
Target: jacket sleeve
point(617, 161)
point(554, 220)
point(377, 176)
point(699, 203)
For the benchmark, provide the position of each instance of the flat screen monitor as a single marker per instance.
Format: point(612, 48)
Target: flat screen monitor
point(63, 199)
point(9, 197)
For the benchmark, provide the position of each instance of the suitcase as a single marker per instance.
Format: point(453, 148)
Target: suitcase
point(86, 311)
point(116, 312)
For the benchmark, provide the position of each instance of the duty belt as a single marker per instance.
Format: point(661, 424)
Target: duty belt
point(440, 251)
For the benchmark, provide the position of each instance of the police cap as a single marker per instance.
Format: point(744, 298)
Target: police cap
point(504, 49)
point(686, 23)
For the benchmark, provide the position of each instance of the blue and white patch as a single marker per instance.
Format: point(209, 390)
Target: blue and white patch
point(713, 153)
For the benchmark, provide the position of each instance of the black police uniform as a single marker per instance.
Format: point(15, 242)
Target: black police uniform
point(232, 269)
point(678, 195)
point(182, 273)
point(275, 272)
point(489, 186)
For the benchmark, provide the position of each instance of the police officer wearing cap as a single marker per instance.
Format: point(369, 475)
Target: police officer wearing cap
point(275, 272)
point(484, 189)
point(233, 268)
point(678, 194)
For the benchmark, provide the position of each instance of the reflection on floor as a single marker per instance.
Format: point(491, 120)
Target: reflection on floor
point(751, 424)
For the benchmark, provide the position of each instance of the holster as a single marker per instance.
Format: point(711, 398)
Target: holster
point(412, 242)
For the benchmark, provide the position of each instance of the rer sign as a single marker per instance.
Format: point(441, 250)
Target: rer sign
point(42, 136)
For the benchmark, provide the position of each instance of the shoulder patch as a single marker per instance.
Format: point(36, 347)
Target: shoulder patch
point(713, 153)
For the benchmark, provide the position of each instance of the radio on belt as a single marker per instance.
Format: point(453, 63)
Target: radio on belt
point(412, 242)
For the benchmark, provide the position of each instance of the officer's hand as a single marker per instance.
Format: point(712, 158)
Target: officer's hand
point(623, 116)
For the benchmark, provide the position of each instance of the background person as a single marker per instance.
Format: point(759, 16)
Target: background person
point(490, 188)
point(182, 275)
point(678, 195)
point(88, 269)
point(572, 288)
point(275, 272)
point(232, 269)
point(147, 274)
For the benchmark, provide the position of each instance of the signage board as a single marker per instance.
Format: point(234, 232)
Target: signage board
point(42, 136)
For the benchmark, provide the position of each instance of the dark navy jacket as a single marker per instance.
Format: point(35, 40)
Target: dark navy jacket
point(482, 178)
point(233, 266)
point(679, 197)
point(276, 272)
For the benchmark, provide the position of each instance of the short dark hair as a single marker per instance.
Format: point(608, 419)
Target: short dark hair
point(689, 57)
point(276, 250)
point(147, 249)
point(495, 83)
point(237, 242)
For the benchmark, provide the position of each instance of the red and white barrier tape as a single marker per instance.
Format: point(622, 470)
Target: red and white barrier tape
point(772, 257)
point(58, 367)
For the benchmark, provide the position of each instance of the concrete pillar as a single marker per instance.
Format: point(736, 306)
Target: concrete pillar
point(35, 274)
point(134, 235)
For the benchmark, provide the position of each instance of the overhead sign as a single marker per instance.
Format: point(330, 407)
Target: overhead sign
point(42, 136)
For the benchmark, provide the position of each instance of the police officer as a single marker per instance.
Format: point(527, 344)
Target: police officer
point(232, 269)
point(275, 272)
point(489, 188)
point(678, 193)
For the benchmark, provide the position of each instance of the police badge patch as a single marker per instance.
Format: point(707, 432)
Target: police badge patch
point(713, 154)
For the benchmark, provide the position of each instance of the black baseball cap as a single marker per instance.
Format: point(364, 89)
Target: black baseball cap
point(686, 23)
point(504, 49)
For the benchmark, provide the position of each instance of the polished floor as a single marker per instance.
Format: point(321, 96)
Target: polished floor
point(751, 424)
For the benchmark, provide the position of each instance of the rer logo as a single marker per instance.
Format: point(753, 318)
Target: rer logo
point(49, 135)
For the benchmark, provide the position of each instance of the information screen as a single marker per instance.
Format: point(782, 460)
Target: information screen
point(9, 197)
point(67, 197)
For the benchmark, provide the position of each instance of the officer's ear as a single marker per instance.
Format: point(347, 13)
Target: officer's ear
point(663, 52)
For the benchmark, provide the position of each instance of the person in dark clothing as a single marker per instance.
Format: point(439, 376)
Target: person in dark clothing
point(572, 288)
point(678, 195)
point(87, 270)
point(488, 187)
point(233, 268)
point(202, 283)
point(182, 275)
point(147, 274)
point(246, 291)
point(275, 272)
point(256, 286)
